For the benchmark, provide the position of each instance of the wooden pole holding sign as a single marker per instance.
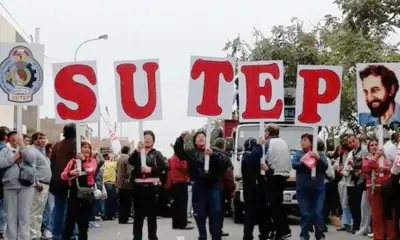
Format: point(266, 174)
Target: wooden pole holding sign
point(262, 134)
point(315, 147)
point(208, 140)
point(142, 150)
point(380, 135)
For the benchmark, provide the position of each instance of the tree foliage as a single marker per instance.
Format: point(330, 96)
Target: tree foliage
point(346, 40)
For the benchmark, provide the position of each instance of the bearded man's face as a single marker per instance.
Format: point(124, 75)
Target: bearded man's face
point(377, 97)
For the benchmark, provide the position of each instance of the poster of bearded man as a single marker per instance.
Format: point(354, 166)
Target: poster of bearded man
point(377, 93)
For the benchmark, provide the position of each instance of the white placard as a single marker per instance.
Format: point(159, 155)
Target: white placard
point(258, 81)
point(318, 100)
point(76, 92)
point(211, 100)
point(21, 74)
point(377, 93)
point(138, 90)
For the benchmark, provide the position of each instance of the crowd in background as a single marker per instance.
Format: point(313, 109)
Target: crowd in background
point(51, 191)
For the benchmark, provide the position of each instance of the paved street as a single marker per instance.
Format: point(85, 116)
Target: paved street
point(113, 231)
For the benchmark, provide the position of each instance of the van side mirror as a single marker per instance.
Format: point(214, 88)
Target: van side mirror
point(229, 144)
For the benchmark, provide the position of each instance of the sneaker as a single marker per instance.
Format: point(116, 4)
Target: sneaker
point(94, 224)
point(47, 235)
point(370, 235)
point(98, 218)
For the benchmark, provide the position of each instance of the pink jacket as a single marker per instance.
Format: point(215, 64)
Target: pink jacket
point(89, 166)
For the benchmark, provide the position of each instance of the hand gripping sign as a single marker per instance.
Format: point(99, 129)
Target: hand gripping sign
point(318, 92)
point(257, 100)
point(210, 91)
point(138, 90)
point(76, 94)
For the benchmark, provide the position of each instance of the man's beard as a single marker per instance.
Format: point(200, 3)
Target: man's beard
point(383, 107)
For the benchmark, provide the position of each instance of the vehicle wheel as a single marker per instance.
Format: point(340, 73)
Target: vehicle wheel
point(237, 209)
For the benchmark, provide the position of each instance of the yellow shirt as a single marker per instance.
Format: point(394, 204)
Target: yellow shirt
point(110, 171)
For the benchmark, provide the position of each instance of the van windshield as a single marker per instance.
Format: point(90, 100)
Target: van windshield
point(291, 134)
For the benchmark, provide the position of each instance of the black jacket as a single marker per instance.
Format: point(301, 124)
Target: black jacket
point(155, 160)
point(218, 164)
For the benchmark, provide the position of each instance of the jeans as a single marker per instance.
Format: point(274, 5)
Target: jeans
point(111, 201)
point(311, 204)
point(47, 223)
point(347, 219)
point(2, 221)
point(207, 203)
point(59, 216)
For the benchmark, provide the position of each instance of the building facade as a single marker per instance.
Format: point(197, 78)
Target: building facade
point(31, 122)
point(54, 131)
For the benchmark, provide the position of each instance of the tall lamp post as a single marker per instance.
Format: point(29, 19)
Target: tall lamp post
point(78, 130)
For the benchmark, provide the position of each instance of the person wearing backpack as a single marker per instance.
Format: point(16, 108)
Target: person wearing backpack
point(19, 177)
point(124, 185)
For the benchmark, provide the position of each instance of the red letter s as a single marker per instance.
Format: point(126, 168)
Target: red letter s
point(254, 91)
point(72, 91)
point(211, 69)
point(129, 104)
point(311, 97)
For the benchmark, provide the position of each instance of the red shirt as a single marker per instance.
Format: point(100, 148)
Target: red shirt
point(382, 174)
point(89, 166)
point(178, 171)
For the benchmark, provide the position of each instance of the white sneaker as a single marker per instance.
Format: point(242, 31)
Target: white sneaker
point(370, 235)
point(47, 234)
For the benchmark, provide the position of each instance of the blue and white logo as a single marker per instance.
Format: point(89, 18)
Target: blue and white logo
point(21, 76)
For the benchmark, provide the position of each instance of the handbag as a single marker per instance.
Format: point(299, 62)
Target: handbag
point(26, 175)
point(84, 193)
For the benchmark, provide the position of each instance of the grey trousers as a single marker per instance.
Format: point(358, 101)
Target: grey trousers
point(17, 204)
point(365, 215)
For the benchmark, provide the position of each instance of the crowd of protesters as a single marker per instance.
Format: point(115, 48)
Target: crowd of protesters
point(53, 191)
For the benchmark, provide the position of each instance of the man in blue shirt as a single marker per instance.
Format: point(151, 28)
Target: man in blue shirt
point(380, 86)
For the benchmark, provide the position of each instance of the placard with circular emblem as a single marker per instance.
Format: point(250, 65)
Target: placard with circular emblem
point(21, 75)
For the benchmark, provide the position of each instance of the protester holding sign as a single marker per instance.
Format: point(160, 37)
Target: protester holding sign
point(310, 191)
point(377, 168)
point(80, 173)
point(206, 188)
point(146, 184)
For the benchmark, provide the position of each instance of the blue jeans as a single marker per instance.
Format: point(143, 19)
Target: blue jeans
point(59, 215)
point(111, 201)
point(47, 223)
point(311, 200)
point(207, 203)
point(2, 220)
point(346, 217)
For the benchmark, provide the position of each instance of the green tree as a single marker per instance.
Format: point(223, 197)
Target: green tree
point(333, 41)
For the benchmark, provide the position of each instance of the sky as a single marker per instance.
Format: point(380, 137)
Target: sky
point(169, 30)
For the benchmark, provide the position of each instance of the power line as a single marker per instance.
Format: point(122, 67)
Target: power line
point(29, 36)
point(15, 21)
